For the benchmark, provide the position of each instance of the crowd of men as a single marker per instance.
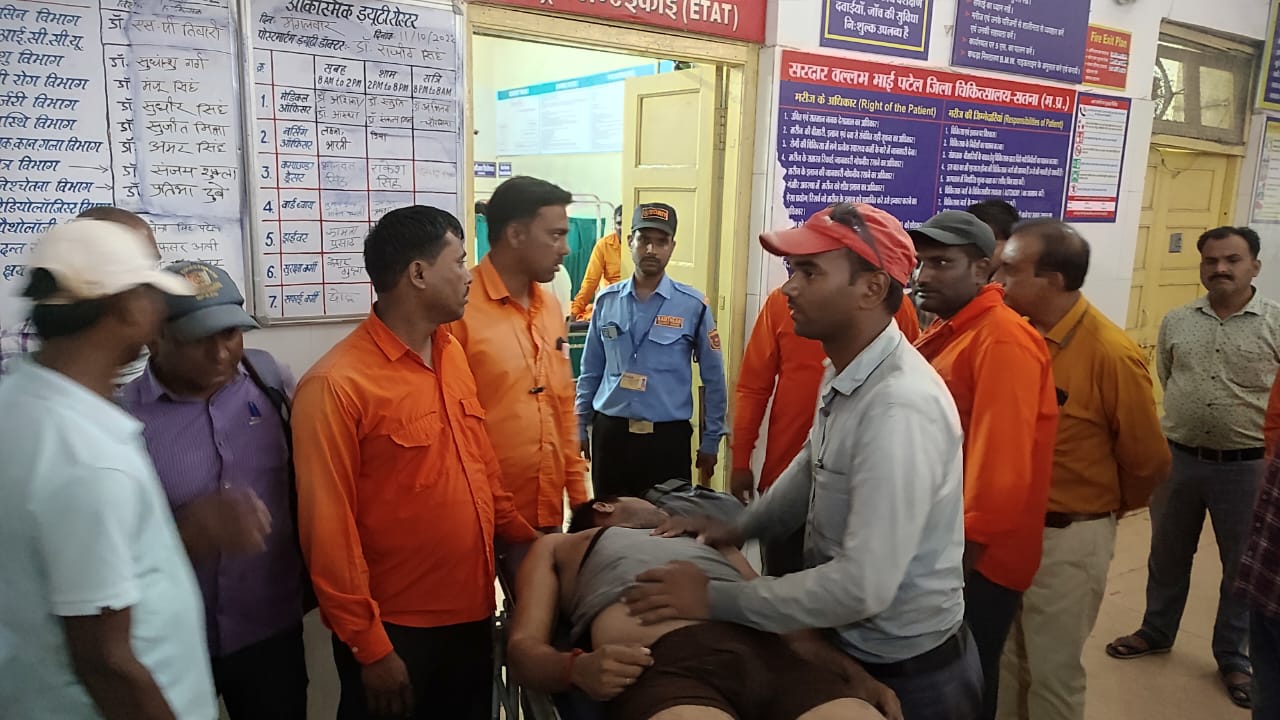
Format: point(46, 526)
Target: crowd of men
point(936, 508)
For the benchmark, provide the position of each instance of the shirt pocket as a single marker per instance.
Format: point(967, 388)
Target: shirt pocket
point(1248, 365)
point(668, 348)
point(415, 439)
point(829, 511)
point(613, 352)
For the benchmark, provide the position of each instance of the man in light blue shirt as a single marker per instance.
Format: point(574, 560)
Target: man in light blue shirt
point(878, 487)
point(635, 387)
point(98, 593)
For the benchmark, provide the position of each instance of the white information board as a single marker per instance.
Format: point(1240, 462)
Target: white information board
point(356, 112)
point(563, 117)
point(133, 103)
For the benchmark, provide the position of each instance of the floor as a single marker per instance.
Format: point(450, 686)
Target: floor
point(1182, 685)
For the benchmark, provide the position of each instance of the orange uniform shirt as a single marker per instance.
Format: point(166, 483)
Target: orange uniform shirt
point(512, 351)
point(605, 263)
point(782, 365)
point(398, 488)
point(999, 372)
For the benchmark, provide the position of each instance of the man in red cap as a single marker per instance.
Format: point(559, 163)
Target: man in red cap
point(879, 485)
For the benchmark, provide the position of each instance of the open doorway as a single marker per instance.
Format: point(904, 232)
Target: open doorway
point(620, 116)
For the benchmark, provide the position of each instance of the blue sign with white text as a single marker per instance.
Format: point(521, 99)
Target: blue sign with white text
point(1039, 38)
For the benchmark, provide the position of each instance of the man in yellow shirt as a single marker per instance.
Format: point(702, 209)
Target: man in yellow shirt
point(1108, 457)
point(606, 262)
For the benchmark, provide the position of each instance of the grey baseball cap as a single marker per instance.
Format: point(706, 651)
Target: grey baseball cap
point(956, 227)
point(216, 306)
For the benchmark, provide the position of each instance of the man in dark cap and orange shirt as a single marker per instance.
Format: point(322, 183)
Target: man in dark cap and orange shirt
point(999, 371)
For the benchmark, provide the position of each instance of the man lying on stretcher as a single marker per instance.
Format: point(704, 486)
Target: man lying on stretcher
point(673, 670)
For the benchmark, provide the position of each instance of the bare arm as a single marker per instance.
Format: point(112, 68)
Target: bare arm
point(534, 662)
point(104, 661)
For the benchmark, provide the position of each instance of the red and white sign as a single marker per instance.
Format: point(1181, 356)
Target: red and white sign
point(1106, 58)
point(1097, 158)
point(734, 19)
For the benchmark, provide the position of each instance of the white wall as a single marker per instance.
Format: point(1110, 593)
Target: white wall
point(795, 25)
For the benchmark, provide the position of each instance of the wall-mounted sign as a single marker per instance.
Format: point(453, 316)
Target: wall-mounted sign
point(734, 19)
point(1106, 58)
point(486, 169)
point(1097, 158)
point(1040, 38)
point(887, 27)
point(504, 169)
point(915, 141)
point(1269, 80)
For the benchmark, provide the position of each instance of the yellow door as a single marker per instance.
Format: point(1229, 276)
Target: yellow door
point(672, 153)
point(1185, 193)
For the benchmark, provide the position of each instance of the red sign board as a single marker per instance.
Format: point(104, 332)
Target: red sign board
point(1106, 58)
point(734, 19)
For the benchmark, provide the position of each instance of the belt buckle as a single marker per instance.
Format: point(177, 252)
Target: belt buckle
point(640, 427)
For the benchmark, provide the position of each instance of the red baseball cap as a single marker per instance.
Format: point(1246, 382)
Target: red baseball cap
point(883, 242)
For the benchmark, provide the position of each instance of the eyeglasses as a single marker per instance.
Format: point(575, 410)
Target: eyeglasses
point(847, 214)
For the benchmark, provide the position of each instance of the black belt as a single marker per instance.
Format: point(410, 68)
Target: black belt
point(1221, 456)
point(951, 650)
point(1059, 520)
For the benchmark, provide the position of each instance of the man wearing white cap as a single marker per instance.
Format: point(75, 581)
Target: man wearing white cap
point(98, 593)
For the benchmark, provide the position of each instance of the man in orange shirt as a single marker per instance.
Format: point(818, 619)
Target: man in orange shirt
point(606, 263)
point(516, 341)
point(398, 487)
point(999, 371)
point(782, 365)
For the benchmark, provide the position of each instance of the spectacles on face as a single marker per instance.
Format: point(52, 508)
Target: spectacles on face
point(846, 214)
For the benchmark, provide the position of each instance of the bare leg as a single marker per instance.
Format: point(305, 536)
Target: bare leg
point(843, 709)
point(693, 712)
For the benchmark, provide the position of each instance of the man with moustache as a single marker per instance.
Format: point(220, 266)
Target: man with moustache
point(398, 487)
point(635, 390)
point(1108, 457)
point(1216, 358)
point(516, 340)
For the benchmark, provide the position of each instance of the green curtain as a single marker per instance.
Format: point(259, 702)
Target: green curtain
point(583, 233)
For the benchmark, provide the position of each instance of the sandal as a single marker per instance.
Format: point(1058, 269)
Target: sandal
point(1133, 646)
point(1241, 693)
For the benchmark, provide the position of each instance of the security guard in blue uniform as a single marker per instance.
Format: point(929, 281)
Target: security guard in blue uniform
point(635, 391)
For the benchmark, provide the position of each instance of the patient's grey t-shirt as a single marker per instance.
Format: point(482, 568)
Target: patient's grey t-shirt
point(618, 554)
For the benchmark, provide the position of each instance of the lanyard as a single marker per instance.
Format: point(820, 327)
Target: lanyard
point(637, 344)
point(1055, 348)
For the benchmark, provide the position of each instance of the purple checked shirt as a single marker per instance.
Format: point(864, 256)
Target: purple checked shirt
point(235, 440)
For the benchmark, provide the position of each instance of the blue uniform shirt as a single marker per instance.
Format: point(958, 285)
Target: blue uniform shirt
point(655, 339)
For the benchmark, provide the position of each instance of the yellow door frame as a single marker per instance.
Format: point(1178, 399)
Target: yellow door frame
point(741, 59)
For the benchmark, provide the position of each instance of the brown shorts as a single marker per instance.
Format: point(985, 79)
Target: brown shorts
point(751, 675)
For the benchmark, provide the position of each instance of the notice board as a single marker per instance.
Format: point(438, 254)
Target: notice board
point(153, 106)
point(915, 141)
point(355, 113)
point(133, 103)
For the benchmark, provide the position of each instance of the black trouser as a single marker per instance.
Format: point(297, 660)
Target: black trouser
point(628, 464)
point(450, 669)
point(266, 680)
point(989, 610)
point(784, 556)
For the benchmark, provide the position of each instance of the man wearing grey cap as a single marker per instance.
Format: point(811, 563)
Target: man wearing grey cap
point(98, 594)
point(999, 372)
point(215, 426)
